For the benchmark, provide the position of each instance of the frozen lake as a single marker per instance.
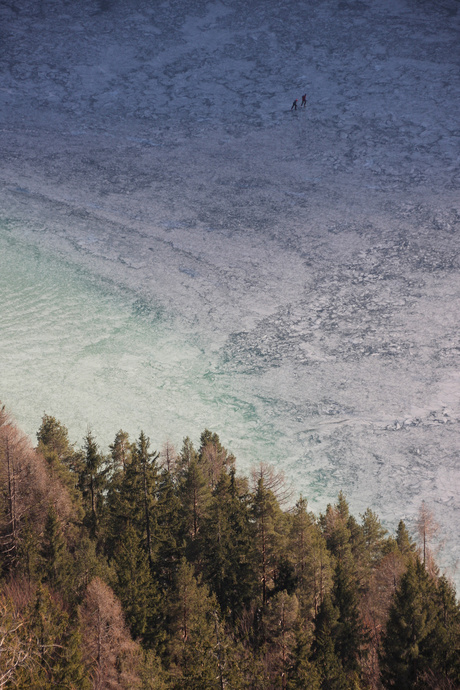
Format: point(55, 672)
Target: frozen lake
point(179, 250)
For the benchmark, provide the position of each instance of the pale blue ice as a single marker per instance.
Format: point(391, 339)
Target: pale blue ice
point(179, 250)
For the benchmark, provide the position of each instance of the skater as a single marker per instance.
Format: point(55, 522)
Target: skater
point(294, 105)
point(304, 101)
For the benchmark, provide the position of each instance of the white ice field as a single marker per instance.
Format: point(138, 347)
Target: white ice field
point(179, 250)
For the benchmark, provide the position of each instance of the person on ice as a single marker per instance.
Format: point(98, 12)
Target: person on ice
point(304, 101)
point(294, 105)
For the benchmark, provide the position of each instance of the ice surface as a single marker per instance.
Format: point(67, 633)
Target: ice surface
point(87, 352)
point(180, 250)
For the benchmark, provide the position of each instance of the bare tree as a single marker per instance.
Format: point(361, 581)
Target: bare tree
point(428, 530)
point(121, 451)
point(434, 681)
point(214, 458)
point(23, 488)
point(14, 650)
point(273, 481)
point(111, 656)
point(168, 457)
point(375, 604)
point(26, 490)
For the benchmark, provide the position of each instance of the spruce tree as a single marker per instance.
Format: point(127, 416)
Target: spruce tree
point(374, 537)
point(120, 452)
point(280, 620)
point(71, 673)
point(62, 459)
point(92, 482)
point(56, 559)
point(87, 565)
point(405, 544)
point(132, 498)
point(29, 559)
point(303, 672)
point(443, 647)
point(336, 530)
point(194, 640)
point(186, 456)
point(227, 548)
point(349, 636)
point(171, 531)
point(195, 495)
point(324, 655)
point(54, 436)
point(406, 652)
point(134, 586)
point(55, 659)
point(146, 464)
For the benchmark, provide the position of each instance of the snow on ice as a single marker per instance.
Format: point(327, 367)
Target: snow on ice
point(196, 254)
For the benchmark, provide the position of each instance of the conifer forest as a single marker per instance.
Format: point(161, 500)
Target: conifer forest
point(159, 569)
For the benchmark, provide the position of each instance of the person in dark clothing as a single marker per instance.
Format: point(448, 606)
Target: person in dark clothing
point(304, 101)
point(294, 105)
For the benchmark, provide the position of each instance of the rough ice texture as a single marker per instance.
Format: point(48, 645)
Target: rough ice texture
point(291, 278)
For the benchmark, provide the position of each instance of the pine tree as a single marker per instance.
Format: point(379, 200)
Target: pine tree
point(119, 506)
point(71, 674)
point(152, 674)
point(29, 560)
point(186, 456)
point(54, 437)
point(300, 539)
point(87, 565)
point(116, 508)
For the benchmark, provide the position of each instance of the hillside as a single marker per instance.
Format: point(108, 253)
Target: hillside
point(140, 569)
